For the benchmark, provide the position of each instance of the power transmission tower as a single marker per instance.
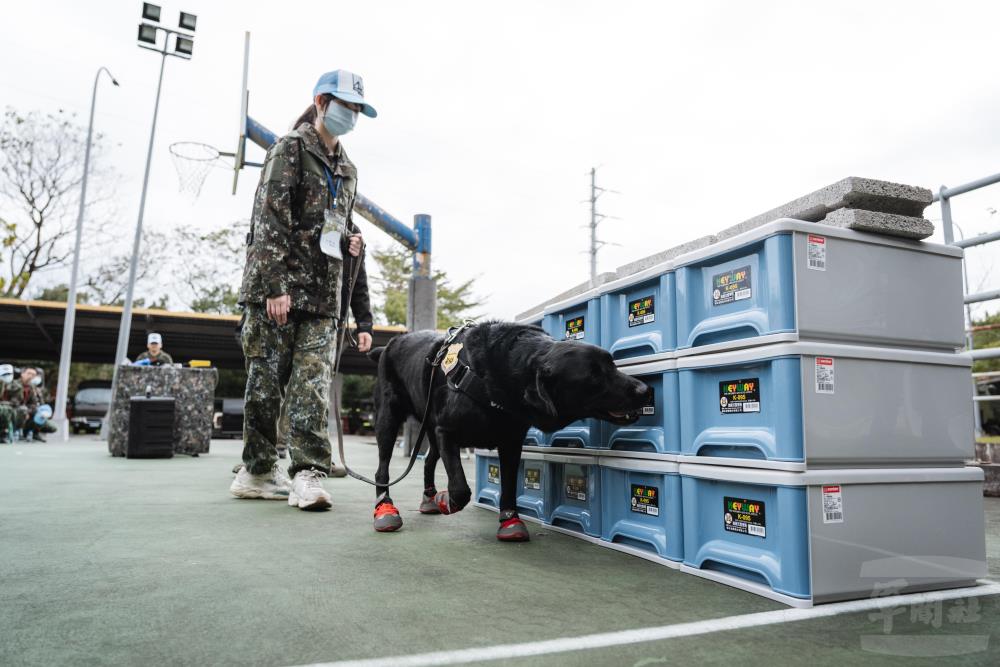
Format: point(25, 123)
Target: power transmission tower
point(596, 219)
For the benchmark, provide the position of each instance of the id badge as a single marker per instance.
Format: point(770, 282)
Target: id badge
point(334, 226)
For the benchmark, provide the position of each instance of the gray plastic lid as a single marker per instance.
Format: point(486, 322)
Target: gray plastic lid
point(650, 367)
point(817, 349)
point(784, 225)
point(639, 465)
point(834, 476)
point(582, 460)
point(638, 277)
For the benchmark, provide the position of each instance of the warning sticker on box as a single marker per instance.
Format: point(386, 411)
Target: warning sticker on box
point(731, 286)
point(574, 328)
point(493, 476)
point(833, 505)
point(645, 500)
point(744, 516)
point(650, 407)
point(739, 396)
point(641, 311)
point(824, 375)
point(576, 487)
point(816, 253)
point(532, 478)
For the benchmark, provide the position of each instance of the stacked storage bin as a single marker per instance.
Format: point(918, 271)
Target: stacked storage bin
point(810, 421)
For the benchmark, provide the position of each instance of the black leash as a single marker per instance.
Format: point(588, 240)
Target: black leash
point(356, 267)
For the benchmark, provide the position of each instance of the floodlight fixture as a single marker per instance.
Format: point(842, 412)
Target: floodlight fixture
point(151, 12)
point(184, 45)
point(188, 21)
point(147, 33)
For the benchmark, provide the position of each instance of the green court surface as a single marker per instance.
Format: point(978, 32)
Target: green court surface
point(112, 561)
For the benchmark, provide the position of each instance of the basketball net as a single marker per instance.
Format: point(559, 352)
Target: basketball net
point(193, 161)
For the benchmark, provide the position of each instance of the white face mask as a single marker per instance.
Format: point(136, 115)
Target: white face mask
point(36, 381)
point(338, 119)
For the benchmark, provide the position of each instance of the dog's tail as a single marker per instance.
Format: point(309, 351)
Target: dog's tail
point(375, 353)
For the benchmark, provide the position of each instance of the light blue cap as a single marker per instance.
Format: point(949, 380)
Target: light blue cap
point(346, 86)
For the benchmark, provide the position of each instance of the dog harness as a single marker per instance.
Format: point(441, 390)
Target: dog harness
point(460, 377)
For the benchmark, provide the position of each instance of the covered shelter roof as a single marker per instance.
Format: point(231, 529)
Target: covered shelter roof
point(33, 330)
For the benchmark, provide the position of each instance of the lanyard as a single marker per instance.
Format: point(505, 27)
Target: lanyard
point(334, 190)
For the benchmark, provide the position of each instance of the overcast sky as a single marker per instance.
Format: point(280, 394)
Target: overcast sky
point(492, 114)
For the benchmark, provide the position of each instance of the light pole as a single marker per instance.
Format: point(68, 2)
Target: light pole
point(65, 356)
point(183, 47)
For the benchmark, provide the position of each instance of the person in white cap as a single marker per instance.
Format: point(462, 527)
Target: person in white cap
point(301, 237)
point(154, 351)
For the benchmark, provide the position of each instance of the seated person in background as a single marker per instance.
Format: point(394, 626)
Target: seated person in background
point(154, 351)
point(42, 424)
point(7, 413)
point(24, 399)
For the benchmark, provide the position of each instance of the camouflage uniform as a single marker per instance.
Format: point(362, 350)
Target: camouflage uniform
point(284, 257)
point(23, 402)
point(7, 414)
point(42, 397)
point(161, 358)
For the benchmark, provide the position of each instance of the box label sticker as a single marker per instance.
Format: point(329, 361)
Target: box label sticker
point(533, 478)
point(833, 505)
point(739, 396)
point(731, 286)
point(824, 375)
point(576, 486)
point(493, 476)
point(645, 500)
point(574, 328)
point(650, 407)
point(744, 516)
point(641, 311)
point(816, 253)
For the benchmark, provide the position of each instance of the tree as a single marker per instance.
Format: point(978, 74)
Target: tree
point(986, 339)
point(454, 302)
point(210, 267)
point(108, 282)
point(60, 292)
point(41, 166)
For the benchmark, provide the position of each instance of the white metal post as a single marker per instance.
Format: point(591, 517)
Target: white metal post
point(65, 356)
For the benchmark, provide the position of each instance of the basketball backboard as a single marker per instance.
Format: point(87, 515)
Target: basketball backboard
point(239, 155)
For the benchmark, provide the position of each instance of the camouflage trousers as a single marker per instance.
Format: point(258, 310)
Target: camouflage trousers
point(296, 359)
point(7, 416)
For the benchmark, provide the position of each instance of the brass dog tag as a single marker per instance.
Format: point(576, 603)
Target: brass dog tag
point(451, 358)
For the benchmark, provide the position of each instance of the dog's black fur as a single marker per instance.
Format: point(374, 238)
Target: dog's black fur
point(537, 381)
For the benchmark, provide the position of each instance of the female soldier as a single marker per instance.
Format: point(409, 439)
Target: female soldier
point(291, 294)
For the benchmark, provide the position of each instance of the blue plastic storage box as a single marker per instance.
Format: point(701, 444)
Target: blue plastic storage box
point(638, 314)
point(576, 492)
point(835, 534)
point(487, 478)
point(534, 486)
point(641, 505)
point(791, 405)
point(814, 281)
point(658, 429)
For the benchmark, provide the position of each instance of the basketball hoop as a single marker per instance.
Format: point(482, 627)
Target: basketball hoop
point(193, 161)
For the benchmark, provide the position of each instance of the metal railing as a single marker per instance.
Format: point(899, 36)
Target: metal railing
point(948, 226)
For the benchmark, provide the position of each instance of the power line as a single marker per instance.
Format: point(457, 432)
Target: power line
point(595, 219)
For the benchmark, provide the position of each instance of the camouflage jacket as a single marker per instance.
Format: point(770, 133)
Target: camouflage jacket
point(283, 253)
point(17, 394)
point(158, 360)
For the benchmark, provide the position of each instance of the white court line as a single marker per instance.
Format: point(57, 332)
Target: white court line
point(604, 640)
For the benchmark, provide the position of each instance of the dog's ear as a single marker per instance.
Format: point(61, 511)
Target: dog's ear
point(538, 397)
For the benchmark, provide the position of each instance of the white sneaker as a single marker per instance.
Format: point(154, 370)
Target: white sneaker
point(273, 485)
point(307, 491)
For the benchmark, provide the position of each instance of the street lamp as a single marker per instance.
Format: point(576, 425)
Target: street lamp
point(65, 356)
point(183, 47)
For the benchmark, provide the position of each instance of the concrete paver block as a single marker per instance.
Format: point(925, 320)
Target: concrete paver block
point(660, 257)
point(880, 223)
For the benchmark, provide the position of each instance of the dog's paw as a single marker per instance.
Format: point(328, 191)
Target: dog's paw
point(445, 504)
point(387, 519)
point(512, 529)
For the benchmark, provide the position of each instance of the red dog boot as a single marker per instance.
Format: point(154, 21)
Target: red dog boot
point(512, 529)
point(428, 505)
point(443, 502)
point(387, 519)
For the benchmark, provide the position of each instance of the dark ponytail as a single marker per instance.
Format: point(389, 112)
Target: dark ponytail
point(309, 115)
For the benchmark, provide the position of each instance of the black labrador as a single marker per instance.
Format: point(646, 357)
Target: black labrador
point(491, 381)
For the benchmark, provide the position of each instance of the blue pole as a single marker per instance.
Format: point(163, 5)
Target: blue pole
point(365, 207)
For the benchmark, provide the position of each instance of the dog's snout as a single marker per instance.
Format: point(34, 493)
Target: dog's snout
point(642, 390)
